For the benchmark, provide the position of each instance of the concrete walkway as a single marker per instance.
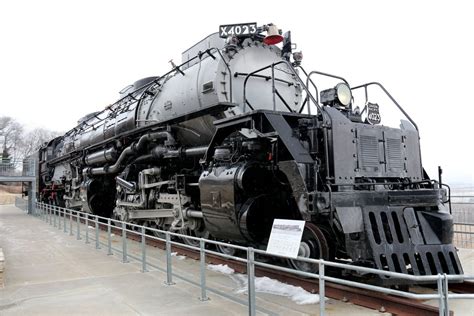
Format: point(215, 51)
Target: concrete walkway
point(48, 272)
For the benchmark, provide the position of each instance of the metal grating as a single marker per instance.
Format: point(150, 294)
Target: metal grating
point(369, 151)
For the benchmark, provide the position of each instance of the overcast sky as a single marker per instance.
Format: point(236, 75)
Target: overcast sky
point(60, 60)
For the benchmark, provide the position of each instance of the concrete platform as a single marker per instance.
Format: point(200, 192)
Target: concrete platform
point(48, 272)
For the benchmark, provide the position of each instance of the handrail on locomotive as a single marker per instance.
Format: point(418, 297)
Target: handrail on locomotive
point(119, 105)
point(309, 95)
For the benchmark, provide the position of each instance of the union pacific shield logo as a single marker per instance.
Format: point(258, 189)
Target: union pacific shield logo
point(373, 114)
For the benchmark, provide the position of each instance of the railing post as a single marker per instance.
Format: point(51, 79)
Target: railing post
point(97, 242)
point(65, 219)
point(322, 303)
point(445, 292)
point(109, 240)
point(59, 217)
point(87, 227)
point(58, 212)
point(202, 261)
point(441, 296)
point(124, 243)
point(251, 280)
point(29, 202)
point(70, 223)
point(169, 272)
point(78, 226)
point(54, 216)
point(143, 245)
point(50, 213)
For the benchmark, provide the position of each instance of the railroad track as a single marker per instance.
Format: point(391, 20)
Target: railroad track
point(369, 299)
point(465, 287)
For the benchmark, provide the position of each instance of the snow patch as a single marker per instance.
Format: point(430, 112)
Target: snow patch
point(175, 254)
point(267, 285)
point(222, 268)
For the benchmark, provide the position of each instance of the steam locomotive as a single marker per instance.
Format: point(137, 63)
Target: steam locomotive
point(238, 135)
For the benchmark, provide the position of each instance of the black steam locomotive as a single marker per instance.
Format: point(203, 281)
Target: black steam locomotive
point(238, 135)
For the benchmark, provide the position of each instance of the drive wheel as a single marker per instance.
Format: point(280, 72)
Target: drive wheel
point(156, 225)
point(198, 233)
point(314, 246)
point(226, 250)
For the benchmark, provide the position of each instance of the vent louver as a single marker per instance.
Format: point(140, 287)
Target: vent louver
point(369, 152)
point(394, 154)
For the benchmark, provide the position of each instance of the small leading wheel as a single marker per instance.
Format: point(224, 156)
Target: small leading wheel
point(313, 245)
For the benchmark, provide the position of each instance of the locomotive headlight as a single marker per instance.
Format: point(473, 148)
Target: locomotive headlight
point(344, 94)
point(339, 96)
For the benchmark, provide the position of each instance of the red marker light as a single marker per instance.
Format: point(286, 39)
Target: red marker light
point(273, 39)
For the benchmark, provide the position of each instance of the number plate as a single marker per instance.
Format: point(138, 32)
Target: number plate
point(237, 29)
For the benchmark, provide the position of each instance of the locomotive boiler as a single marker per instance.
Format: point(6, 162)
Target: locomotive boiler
point(238, 135)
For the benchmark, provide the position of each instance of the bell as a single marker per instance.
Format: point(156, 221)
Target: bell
point(273, 35)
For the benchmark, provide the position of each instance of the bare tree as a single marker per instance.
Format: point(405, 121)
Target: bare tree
point(15, 143)
point(33, 140)
point(12, 132)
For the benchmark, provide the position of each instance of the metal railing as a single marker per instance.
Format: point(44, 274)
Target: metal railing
point(70, 221)
point(17, 168)
point(463, 215)
point(464, 235)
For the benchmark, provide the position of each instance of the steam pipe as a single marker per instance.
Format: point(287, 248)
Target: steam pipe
point(130, 150)
point(101, 156)
point(153, 136)
point(125, 184)
point(162, 152)
point(195, 151)
point(110, 169)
